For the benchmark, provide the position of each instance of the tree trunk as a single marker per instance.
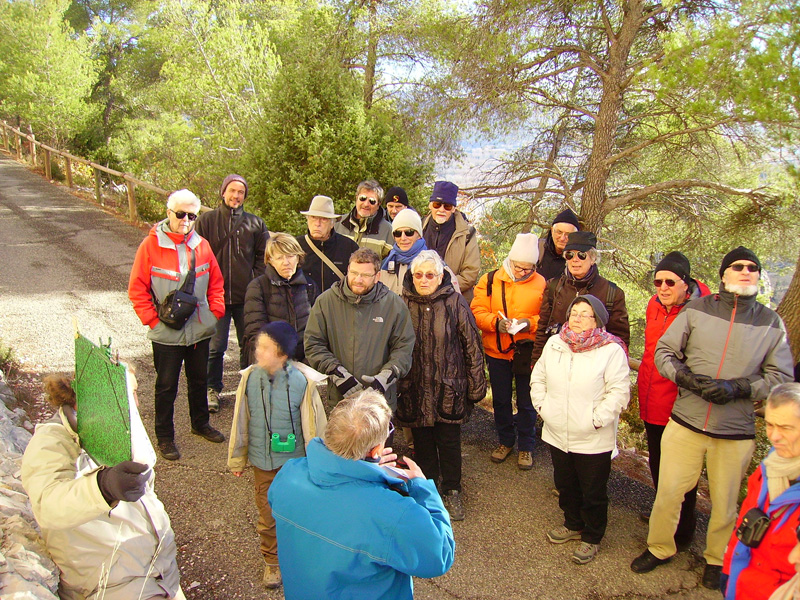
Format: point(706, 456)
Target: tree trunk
point(372, 54)
point(789, 310)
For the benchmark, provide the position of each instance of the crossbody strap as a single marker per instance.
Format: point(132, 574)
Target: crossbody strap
point(324, 258)
point(234, 227)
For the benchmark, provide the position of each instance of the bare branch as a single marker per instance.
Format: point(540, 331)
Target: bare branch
point(615, 202)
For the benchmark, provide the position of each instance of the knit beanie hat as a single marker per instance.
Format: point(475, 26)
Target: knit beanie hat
point(567, 216)
point(231, 178)
point(581, 241)
point(676, 263)
point(396, 194)
point(407, 217)
point(740, 253)
point(600, 312)
point(525, 248)
point(282, 334)
point(445, 191)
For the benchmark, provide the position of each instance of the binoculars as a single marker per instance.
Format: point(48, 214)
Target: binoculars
point(276, 445)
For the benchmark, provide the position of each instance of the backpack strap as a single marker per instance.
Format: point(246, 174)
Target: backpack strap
point(490, 282)
point(612, 292)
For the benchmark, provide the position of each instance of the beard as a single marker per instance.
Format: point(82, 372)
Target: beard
point(742, 290)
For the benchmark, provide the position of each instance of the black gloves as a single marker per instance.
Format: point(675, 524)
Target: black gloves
point(345, 382)
point(126, 482)
point(722, 391)
point(382, 381)
point(692, 382)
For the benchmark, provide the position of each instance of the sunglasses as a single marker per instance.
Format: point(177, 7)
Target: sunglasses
point(367, 199)
point(740, 267)
point(669, 282)
point(406, 232)
point(428, 276)
point(569, 255)
point(447, 207)
point(181, 214)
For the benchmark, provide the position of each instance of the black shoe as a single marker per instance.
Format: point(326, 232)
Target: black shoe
point(453, 504)
point(682, 544)
point(168, 449)
point(211, 434)
point(646, 562)
point(711, 577)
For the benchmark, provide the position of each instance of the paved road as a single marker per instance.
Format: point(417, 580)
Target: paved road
point(62, 257)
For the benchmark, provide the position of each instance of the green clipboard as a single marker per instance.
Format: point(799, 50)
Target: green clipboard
point(104, 418)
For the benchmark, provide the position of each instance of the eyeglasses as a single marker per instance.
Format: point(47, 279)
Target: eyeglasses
point(181, 215)
point(391, 430)
point(751, 268)
point(406, 232)
point(669, 282)
point(429, 276)
point(524, 269)
point(569, 255)
point(356, 275)
point(367, 199)
point(447, 207)
point(583, 317)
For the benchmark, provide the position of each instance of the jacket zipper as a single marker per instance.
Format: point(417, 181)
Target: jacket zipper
point(724, 350)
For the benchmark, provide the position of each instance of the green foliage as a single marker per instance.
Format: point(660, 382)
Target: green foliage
point(9, 362)
point(46, 72)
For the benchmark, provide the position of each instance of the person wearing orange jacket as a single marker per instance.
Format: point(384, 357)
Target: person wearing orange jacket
point(506, 308)
point(674, 288)
point(162, 263)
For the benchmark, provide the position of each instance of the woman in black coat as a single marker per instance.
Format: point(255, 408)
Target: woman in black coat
point(447, 374)
point(282, 293)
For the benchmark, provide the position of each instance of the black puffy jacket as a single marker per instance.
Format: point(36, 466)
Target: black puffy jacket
point(273, 298)
point(337, 248)
point(242, 258)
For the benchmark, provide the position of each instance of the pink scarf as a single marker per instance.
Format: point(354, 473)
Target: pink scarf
point(589, 339)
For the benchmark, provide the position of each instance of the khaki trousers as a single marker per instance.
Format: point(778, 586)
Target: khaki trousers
point(682, 453)
point(266, 522)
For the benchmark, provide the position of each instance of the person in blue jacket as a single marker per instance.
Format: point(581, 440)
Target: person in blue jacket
point(350, 524)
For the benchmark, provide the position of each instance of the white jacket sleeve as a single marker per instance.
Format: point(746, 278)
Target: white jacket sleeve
point(617, 389)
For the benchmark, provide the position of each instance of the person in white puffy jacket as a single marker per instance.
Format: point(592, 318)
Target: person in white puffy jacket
point(579, 387)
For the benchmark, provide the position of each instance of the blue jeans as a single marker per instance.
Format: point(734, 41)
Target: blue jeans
point(219, 344)
point(521, 427)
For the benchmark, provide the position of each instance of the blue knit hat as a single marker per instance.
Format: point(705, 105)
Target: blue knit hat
point(282, 334)
point(445, 192)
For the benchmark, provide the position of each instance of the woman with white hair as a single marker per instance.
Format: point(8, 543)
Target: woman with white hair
point(446, 377)
point(167, 259)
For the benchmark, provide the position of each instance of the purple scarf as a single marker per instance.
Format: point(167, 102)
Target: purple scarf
point(589, 339)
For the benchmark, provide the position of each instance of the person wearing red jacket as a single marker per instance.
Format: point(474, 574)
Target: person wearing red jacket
point(754, 570)
point(161, 265)
point(674, 288)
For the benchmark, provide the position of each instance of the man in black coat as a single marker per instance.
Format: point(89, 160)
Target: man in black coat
point(238, 239)
point(551, 247)
point(321, 240)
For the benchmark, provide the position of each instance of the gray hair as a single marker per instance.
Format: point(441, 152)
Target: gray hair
point(594, 255)
point(372, 186)
point(428, 256)
point(785, 393)
point(183, 197)
point(357, 425)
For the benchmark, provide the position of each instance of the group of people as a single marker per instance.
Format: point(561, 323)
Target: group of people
point(386, 306)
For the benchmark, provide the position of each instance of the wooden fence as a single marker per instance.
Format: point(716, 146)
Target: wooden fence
point(19, 140)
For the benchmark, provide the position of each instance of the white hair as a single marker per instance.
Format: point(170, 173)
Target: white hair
point(428, 256)
point(358, 424)
point(183, 197)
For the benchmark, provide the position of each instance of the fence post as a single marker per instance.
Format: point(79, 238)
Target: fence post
point(5, 136)
point(19, 146)
point(131, 201)
point(68, 169)
point(32, 144)
point(48, 169)
point(97, 191)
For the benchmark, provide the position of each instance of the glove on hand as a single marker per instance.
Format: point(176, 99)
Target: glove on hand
point(722, 391)
point(126, 482)
point(382, 381)
point(345, 382)
point(503, 325)
point(527, 325)
point(692, 382)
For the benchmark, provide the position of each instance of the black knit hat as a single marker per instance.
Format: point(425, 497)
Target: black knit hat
point(567, 216)
point(600, 311)
point(396, 194)
point(676, 263)
point(581, 241)
point(282, 334)
point(740, 253)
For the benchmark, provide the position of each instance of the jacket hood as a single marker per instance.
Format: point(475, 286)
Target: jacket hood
point(445, 288)
point(343, 292)
point(728, 298)
point(161, 229)
point(327, 469)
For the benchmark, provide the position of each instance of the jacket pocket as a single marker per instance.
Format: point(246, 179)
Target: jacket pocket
point(452, 403)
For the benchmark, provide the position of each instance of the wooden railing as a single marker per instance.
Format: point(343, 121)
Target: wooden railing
point(12, 134)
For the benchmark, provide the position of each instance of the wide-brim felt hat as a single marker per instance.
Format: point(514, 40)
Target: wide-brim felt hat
point(321, 206)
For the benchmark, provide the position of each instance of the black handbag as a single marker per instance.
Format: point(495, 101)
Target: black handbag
point(179, 305)
point(521, 363)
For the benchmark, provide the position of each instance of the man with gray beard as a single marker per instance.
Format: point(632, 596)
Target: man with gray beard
point(725, 351)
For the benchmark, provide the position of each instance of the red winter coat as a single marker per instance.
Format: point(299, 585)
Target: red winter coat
point(657, 393)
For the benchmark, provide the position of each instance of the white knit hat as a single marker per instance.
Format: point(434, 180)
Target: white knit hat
point(407, 217)
point(525, 248)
